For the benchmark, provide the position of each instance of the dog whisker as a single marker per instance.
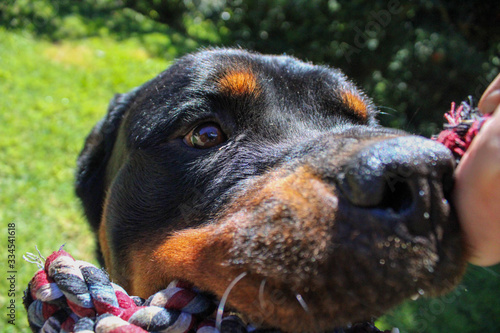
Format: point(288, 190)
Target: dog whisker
point(262, 301)
point(222, 303)
point(304, 306)
point(302, 302)
point(393, 110)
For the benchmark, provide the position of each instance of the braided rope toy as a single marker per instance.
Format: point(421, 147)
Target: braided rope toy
point(463, 125)
point(68, 295)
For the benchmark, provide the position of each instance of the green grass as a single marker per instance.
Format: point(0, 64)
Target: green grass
point(472, 307)
point(52, 93)
point(51, 96)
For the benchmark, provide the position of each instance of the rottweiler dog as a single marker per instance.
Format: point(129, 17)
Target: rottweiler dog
point(234, 162)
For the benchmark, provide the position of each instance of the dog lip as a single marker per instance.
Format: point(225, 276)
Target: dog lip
point(302, 316)
point(270, 301)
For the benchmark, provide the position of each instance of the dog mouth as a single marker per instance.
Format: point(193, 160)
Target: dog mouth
point(254, 299)
point(231, 320)
point(215, 313)
point(355, 289)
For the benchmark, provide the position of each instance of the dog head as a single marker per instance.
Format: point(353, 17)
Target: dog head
point(232, 162)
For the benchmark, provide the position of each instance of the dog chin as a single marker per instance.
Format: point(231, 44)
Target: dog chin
point(363, 278)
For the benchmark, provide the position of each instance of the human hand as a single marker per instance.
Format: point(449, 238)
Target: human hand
point(477, 187)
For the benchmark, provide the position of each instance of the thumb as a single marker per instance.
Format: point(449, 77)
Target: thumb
point(491, 97)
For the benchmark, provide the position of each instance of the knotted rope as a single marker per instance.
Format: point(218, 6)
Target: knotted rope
point(463, 125)
point(69, 295)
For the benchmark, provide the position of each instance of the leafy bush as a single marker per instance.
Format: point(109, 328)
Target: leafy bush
point(414, 58)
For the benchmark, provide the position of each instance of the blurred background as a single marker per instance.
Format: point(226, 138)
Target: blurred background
point(62, 61)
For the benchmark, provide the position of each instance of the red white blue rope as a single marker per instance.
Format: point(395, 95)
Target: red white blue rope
point(68, 295)
point(463, 125)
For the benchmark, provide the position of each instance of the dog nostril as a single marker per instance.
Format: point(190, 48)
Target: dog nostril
point(397, 196)
point(405, 179)
point(381, 189)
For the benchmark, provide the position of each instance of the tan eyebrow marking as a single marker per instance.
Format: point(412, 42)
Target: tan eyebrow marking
point(239, 82)
point(355, 103)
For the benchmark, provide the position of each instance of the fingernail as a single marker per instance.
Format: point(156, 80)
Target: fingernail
point(490, 102)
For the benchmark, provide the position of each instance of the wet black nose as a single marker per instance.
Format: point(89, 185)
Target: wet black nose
point(403, 178)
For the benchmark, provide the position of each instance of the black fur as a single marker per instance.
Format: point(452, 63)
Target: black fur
point(93, 159)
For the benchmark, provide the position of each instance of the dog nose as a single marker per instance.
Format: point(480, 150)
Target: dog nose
point(399, 178)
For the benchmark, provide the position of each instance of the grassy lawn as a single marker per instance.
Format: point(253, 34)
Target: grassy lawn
point(51, 96)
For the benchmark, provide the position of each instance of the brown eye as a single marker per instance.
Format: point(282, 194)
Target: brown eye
point(204, 136)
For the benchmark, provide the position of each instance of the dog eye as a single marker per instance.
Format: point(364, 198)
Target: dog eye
point(204, 136)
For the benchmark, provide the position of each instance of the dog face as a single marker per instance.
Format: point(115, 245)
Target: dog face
point(232, 162)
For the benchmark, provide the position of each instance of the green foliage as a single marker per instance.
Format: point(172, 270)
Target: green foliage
point(61, 61)
point(414, 58)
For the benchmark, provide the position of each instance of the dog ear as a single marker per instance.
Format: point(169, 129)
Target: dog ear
point(94, 157)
